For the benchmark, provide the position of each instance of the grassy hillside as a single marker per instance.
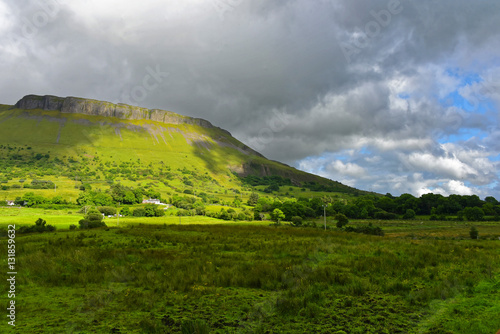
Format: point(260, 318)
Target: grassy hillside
point(70, 149)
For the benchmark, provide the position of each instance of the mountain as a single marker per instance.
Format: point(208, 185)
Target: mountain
point(89, 141)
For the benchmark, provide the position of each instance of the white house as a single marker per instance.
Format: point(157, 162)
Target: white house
point(153, 201)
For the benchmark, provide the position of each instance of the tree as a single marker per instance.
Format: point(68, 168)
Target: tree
point(125, 211)
point(410, 214)
point(129, 198)
point(139, 212)
point(153, 210)
point(492, 200)
point(473, 214)
point(253, 199)
point(107, 210)
point(277, 215)
point(93, 219)
point(85, 198)
point(271, 188)
point(341, 220)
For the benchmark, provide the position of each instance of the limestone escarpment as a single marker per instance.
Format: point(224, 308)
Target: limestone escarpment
point(77, 105)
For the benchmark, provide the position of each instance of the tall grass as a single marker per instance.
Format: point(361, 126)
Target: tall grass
point(149, 278)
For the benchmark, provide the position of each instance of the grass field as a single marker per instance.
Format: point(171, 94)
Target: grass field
point(162, 277)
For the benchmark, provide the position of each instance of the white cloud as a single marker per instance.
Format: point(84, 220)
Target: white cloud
point(442, 166)
point(458, 187)
point(341, 169)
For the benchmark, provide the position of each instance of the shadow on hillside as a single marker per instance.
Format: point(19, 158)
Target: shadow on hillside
point(210, 154)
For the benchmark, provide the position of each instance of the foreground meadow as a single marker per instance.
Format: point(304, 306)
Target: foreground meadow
point(233, 278)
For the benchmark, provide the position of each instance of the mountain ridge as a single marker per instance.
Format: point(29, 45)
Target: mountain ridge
point(78, 105)
point(74, 126)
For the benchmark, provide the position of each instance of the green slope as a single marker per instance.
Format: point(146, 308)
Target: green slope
point(77, 143)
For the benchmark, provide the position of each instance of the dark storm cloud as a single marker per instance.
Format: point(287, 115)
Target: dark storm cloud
point(294, 79)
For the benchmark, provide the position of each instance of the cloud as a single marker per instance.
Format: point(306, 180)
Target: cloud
point(348, 169)
point(276, 76)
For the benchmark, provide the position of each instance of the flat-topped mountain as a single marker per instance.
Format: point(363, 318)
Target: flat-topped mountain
point(85, 139)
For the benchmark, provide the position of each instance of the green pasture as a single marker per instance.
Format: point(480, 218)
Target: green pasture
point(158, 276)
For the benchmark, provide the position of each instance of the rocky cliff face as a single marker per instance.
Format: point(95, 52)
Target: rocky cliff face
point(100, 108)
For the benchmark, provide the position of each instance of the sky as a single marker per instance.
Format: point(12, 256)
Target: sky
point(387, 96)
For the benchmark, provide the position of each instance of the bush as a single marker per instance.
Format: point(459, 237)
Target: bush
point(107, 210)
point(153, 210)
point(125, 211)
point(72, 227)
point(253, 199)
point(139, 212)
point(40, 226)
point(366, 229)
point(93, 219)
point(41, 184)
point(311, 224)
point(297, 221)
point(474, 233)
point(410, 214)
point(473, 214)
point(341, 220)
point(383, 215)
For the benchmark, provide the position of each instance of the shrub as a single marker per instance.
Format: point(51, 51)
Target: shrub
point(410, 214)
point(40, 226)
point(93, 219)
point(473, 214)
point(341, 220)
point(366, 229)
point(253, 199)
point(125, 211)
point(139, 212)
point(72, 227)
point(41, 184)
point(474, 233)
point(383, 215)
point(297, 221)
point(107, 210)
point(153, 210)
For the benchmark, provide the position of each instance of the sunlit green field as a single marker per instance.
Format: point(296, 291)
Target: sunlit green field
point(158, 276)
